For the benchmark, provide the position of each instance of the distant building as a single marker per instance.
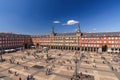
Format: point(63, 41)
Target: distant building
point(93, 42)
point(14, 41)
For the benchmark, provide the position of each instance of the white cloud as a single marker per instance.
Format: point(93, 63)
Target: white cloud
point(71, 22)
point(56, 22)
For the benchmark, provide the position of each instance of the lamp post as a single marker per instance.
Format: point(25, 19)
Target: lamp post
point(1, 49)
point(76, 61)
point(76, 76)
point(1, 58)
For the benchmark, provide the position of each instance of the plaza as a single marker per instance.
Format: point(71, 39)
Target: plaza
point(60, 40)
point(59, 65)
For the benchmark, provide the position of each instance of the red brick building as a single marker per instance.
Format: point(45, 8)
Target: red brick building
point(83, 41)
point(14, 41)
point(93, 42)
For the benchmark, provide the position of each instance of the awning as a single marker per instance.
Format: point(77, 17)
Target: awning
point(9, 50)
point(33, 46)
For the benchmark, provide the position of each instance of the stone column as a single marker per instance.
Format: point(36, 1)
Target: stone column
point(87, 48)
point(92, 49)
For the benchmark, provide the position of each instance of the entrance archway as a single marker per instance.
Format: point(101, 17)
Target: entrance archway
point(104, 48)
point(26, 46)
point(37, 45)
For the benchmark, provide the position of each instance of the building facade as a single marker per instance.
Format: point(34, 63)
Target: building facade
point(14, 41)
point(83, 41)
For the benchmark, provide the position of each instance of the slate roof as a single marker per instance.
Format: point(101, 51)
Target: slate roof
point(41, 36)
point(84, 34)
point(12, 34)
point(65, 34)
point(101, 34)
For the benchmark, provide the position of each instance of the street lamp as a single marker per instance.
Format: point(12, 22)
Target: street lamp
point(1, 56)
point(80, 76)
point(1, 49)
point(76, 59)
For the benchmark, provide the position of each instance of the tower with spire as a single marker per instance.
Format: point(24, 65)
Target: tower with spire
point(78, 29)
point(78, 32)
point(52, 29)
point(52, 32)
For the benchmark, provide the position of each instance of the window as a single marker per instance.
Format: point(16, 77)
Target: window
point(112, 41)
point(97, 45)
point(104, 41)
point(112, 38)
point(112, 45)
point(97, 41)
point(109, 38)
point(116, 45)
point(116, 38)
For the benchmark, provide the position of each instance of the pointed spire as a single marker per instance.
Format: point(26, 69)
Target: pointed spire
point(52, 29)
point(78, 29)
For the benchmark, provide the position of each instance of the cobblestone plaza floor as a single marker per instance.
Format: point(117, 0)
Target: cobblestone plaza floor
point(63, 66)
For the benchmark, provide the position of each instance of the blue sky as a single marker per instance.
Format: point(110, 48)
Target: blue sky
point(38, 16)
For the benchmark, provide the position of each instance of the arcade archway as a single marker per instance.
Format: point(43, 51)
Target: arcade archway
point(104, 48)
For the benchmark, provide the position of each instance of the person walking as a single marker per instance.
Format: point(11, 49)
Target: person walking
point(20, 78)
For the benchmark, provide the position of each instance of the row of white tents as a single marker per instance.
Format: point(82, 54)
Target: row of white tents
point(113, 51)
point(109, 50)
point(10, 50)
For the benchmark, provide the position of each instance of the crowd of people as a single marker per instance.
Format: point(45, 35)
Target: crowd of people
point(50, 70)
